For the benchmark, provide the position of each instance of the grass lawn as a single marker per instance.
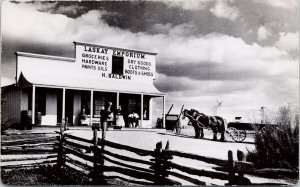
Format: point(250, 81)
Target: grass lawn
point(25, 177)
point(43, 175)
point(48, 175)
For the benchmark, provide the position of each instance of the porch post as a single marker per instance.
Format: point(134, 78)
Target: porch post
point(164, 117)
point(118, 100)
point(33, 105)
point(142, 108)
point(150, 109)
point(63, 116)
point(92, 109)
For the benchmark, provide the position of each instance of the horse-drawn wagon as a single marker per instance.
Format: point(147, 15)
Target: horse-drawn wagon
point(237, 131)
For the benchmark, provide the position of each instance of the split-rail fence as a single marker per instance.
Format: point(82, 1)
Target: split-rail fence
point(27, 149)
point(99, 159)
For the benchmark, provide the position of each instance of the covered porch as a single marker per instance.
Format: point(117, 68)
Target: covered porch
point(61, 100)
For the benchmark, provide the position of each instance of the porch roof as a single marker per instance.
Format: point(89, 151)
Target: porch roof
point(78, 82)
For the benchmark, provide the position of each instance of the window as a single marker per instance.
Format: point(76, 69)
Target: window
point(85, 102)
point(100, 100)
point(99, 103)
point(133, 105)
point(117, 65)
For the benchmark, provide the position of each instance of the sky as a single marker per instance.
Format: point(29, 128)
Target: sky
point(241, 53)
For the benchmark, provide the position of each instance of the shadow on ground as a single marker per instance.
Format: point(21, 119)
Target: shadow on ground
point(206, 139)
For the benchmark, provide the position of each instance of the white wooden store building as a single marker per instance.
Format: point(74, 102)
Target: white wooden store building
point(58, 87)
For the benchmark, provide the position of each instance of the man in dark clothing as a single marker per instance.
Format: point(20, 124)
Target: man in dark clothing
point(106, 117)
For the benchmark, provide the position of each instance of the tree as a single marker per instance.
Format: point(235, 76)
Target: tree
point(278, 145)
point(216, 107)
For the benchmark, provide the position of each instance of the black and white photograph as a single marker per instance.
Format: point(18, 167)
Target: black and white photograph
point(141, 92)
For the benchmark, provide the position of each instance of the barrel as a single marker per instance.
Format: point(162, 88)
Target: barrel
point(38, 119)
point(26, 119)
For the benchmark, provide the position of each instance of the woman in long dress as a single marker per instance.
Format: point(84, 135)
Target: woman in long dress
point(119, 117)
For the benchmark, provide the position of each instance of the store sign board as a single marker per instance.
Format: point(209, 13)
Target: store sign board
point(115, 63)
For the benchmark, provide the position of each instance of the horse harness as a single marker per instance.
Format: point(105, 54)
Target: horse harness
point(196, 120)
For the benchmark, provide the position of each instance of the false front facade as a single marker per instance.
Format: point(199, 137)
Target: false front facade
point(55, 88)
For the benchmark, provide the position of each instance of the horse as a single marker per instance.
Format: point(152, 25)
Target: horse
point(200, 121)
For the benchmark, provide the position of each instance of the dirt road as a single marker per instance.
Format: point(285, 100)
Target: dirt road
point(185, 142)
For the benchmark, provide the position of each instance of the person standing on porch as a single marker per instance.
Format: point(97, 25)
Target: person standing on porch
point(110, 114)
point(106, 118)
point(119, 117)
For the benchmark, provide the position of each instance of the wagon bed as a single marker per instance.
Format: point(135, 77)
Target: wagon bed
point(246, 126)
point(237, 131)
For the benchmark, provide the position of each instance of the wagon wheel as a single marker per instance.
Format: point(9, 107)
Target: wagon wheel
point(178, 127)
point(242, 135)
point(231, 134)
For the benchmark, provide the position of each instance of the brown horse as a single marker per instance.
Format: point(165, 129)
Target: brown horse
point(200, 121)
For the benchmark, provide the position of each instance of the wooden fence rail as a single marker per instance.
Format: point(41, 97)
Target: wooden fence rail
point(206, 159)
point(27, 149)
point(100, 159)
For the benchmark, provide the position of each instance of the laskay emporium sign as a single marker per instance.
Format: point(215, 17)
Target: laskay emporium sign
point(116, 63)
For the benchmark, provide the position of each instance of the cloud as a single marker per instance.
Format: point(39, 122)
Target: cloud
point(149, 13)
point(287, 4)
point(35, 25)
point(215, 55)
point(281, 91)
point(160, 28)
point(171, 83)
point(71, 10)
point(263, 33)
point(200, 5)
point(212, 71)
point(239, 98)
point(225, 9)
point(288, 41)
point(191, 87)
point(181, 30)
point(214, 48)
point(44, 5)
point(190, 5)
point(194, 68)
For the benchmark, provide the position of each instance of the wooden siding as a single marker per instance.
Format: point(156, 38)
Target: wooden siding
point(24, 99)
point(10, 105)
